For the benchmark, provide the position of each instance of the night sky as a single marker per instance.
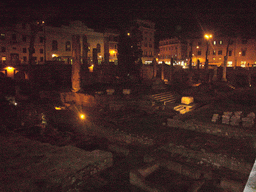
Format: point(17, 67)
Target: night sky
point(172, 18)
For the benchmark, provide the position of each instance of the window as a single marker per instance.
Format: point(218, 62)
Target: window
point(24, 50)
point(145, 44)
point(213, 58)
point(2, 37)
point(24, 38)
point(150, 45)
point(219, 58)
point(14, 37)
point(41, 59)
point(98, 48)
point(25, 59)
point(229, 53)
point(244, 41)
point(41, 51)
point(220, 52)
point(214, 52)
point(4, 59)
point(221, 42)
point(41, 39)
point(54, 45)
point(3, 49)
point(243, 53)
point(68, 46)
point(199, 53)
point(214, 42)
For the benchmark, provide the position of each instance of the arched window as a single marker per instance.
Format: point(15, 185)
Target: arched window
point(68, 46)
point(54, 45)
point(98, 48)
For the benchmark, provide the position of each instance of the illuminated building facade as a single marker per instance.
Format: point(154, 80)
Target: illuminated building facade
point(172, 48)
point(111, 46)
point(147, 29)
point(241, 51)
point(51, 44)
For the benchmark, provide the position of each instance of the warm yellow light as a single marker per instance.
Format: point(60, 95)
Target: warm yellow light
point(9, 68)
point(128, 34)
point(10, 72)
point(82, 116)
point(207, 36)
point(54, 55)
point(58, 108)
point(91, 68)
point(112, 52)
point(197, 47)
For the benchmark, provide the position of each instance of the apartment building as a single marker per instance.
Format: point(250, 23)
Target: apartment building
point(147, 29)
point(51, 44)
point(241, 51)
point(111, 46)
point(172, 48)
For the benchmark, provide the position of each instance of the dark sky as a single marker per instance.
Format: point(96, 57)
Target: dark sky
point(174, 17)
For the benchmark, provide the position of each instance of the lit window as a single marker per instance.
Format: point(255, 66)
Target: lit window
point(214, 42)
point(219, 58)
point(229, 64)
point(243, 63)
point(214, 52)
point(221, 42)
point(213, 58)
point(3, 58)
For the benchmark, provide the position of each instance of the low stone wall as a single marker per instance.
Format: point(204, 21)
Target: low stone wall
point(34, 166)
point(210, 128)
point(78, 98)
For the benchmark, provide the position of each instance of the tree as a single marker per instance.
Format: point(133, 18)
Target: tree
point(129, 52)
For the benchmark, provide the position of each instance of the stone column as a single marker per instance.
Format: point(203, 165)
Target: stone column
point(162, 70)
point(76, 67)
point(154, 68)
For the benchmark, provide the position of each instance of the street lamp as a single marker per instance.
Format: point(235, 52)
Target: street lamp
point(207, 37)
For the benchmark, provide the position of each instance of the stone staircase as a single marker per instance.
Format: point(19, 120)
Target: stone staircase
point(164, 98)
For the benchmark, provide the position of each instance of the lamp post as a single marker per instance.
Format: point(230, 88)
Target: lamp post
point(207, 37)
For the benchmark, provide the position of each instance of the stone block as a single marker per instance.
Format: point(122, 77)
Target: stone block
point(110, 91)
point(247, 122)
point(187, 100)
point(126, 91)
point(235, 120)
point(215, 118)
